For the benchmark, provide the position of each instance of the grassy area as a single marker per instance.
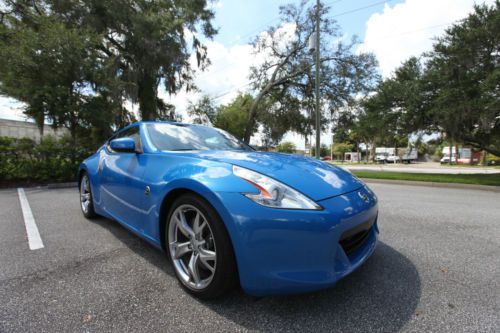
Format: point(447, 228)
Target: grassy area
point(471, 166)
point(402, 164)
point(488, 179)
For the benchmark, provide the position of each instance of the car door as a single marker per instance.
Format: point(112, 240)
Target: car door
point(122, 182)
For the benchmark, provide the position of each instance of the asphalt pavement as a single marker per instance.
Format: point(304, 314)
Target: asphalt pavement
point(436, 269)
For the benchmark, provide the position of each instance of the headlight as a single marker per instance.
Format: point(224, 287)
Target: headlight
point(273, 193)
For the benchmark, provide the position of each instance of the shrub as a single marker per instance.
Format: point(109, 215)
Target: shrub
point(286, 147)
point(52, 160)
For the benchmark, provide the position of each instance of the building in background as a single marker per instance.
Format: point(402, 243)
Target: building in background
point(26, 129)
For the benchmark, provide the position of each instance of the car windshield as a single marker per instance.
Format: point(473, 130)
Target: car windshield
point(171, 136)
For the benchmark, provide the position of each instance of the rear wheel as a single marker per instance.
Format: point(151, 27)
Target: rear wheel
point(86, 200)
point(199, 248)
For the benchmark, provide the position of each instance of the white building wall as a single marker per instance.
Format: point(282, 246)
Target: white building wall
point(25, 129)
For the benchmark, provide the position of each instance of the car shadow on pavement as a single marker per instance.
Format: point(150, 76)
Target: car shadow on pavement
point(382, 295)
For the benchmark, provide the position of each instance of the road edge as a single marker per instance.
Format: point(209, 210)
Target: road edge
point(433, 184)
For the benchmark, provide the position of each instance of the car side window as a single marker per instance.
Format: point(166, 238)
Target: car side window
point(133, 132)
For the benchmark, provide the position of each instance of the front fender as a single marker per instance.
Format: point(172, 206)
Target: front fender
point(174, 173)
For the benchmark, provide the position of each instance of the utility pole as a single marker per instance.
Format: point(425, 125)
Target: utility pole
point(318, 111)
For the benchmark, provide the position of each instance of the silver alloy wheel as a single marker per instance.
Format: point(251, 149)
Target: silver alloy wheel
point(85, 194)
point(192, 247)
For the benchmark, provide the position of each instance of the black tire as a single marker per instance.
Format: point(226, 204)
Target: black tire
point(89, 212)
point(225, 277)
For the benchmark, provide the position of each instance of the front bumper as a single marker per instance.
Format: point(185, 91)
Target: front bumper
point(292, 251)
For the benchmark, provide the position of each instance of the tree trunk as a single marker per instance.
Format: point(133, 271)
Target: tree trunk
point(40, 122)
point(366, 151)
point(372, 152)
point(484, 158)
point(40, 130)
point(72, 127)
point(252, 115)
point(146, 95)
point(450, 150)
point(358, 152)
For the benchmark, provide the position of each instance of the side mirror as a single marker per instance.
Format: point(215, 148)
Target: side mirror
point(124, 145)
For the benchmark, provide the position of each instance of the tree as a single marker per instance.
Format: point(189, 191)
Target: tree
point(286, 147)
point(341, 148)
point(287, 71)
point(463, 80)
point(203, 111)
point(129, 49)
point(396, 109)
point(47, 65)
point(232, 117)
point(277, 118)
point(323, 150)
point(148, 42)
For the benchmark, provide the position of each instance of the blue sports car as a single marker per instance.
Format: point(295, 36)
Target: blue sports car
point(227, 214)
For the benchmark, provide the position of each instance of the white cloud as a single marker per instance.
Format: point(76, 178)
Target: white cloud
point(228, 73)
point(407, 29)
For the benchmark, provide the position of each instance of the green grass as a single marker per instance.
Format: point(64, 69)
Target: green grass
point(471, 166)
point(481, 179)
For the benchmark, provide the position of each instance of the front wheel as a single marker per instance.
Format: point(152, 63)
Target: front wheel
point(86, 200)
point(199, 248)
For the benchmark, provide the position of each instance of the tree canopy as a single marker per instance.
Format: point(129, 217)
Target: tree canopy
point(62, 57)
point(454, 89)
point(463, 78)
point(284, 82)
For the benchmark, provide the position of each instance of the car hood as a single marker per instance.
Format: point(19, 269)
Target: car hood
point(316, 179)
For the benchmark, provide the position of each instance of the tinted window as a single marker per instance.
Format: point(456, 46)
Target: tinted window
point(189, 137)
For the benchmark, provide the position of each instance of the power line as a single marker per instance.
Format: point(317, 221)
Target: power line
point(275, 19)
point(331, 2)
point(227, 92)
point(362, 8)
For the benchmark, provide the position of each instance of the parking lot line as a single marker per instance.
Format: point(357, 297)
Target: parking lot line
point(34, 239)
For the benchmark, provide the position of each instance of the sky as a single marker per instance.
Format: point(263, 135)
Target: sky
point(392, 30)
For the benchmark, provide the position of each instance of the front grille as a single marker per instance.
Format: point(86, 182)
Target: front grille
point(352, 243)
point(353, 238)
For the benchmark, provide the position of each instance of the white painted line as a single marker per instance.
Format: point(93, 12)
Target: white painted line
point(34, 239)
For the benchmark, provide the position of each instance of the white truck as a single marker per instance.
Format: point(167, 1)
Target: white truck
point(446, 155)
point(384, 155)
point(411, 154)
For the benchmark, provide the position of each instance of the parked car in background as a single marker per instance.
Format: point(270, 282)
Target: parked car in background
point(446, 159)
point(493, 160)
point(227, 214)
point(326, 158)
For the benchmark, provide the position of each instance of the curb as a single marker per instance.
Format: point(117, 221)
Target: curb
point(62, 185)
point(433, 184)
